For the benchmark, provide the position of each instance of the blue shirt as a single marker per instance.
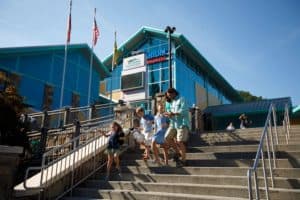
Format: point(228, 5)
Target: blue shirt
point(178, 105)
point(147, 123)
point(160, 120)
point(114, 140)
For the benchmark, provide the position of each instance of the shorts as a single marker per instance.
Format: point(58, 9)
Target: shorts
point(181, 134)
point(170, 133)
point(114, 152)
point(138, 137)
point(159, 137)
point(148, 138)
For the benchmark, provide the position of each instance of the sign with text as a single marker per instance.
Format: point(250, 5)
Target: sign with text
point(134, 62)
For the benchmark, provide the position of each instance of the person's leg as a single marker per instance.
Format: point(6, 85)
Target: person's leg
point(182, 137)
point(166, 153)
point(170, 138)
point(182, 149)
point(155, 152)
point(117, 161)
point(109, 164)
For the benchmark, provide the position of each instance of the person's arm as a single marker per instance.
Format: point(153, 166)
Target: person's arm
point(182, 107)
point(107, 134)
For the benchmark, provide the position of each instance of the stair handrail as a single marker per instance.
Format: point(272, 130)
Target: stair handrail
point(286, 123)
point(265, 140)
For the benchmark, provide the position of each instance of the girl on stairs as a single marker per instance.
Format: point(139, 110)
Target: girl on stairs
point(116, 136)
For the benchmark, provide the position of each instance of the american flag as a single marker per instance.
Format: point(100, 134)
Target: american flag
point(96, 32)
point(69, 24)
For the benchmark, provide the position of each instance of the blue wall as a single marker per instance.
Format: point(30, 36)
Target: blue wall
point(37, 69)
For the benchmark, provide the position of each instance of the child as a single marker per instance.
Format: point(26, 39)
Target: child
point(146, 122)
point(137, 135)
point(113, 149)
point(161, 126)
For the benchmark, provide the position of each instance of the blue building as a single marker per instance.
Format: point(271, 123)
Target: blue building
point(193, 76)
point(37, 74)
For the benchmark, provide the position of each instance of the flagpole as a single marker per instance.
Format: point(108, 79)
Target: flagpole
point(112, 67)
point(91, 60)
point(65, 58)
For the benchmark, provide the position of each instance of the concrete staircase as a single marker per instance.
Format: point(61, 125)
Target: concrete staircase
point(217, 165)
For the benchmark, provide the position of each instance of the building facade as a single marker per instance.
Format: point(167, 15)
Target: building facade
point(37, 73)
point(193, 76)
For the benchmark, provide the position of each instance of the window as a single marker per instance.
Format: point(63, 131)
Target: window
point(132, 81)
point(153, 89)
point(154, 76)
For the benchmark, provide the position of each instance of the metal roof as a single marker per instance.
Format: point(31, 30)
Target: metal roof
point(261, 106)
point(185, 46)
point(84, 48)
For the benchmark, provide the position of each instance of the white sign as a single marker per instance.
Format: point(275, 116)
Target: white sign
point(134, 62)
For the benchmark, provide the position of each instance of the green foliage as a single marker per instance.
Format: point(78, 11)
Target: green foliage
point(247, 96)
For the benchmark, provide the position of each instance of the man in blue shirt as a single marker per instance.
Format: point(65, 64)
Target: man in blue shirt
point(178, 114)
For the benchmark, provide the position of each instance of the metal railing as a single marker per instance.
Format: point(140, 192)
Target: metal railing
point(286, 123)
point(266, 151)
point(77, 158)
point(65, 117)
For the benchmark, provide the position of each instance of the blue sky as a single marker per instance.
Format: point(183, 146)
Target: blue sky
point(254, 44)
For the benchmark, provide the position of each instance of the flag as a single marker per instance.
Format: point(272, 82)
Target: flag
point(69, 24)
point(96, 32)
point(116, 53)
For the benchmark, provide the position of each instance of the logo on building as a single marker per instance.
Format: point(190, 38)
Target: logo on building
point(157, 55)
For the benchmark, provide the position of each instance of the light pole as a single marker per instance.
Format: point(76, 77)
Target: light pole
point(169, 30)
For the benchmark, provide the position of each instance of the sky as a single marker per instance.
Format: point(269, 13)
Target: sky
point(253, 44)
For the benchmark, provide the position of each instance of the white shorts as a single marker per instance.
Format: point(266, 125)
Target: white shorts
point(148, 138)
point(138, 137)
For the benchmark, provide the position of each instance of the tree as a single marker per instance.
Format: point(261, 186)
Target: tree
point(247, 96)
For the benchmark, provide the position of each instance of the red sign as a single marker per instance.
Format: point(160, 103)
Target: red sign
point(156, 60)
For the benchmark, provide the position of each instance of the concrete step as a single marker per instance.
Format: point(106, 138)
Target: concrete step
point(193, 189)
point(220, 155)
point(290, 183)
point(281, 163)
point(141, 195)
point(238, 139)
point(241, 148)
point(214, 171)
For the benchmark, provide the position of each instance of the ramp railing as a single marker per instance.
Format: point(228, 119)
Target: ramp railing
point(64, 166)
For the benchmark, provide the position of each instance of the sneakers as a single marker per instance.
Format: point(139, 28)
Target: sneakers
point(106, 178)
point(180, 163)
point(175, 157)
point(119, 173)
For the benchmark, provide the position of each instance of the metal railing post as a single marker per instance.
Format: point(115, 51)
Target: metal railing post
point(249, 175)
point(269, 156)
point(275, 123)
point(265, 174)
point(66, 116)
point(256, 185)
point(285, 130)
point(76, 134)
point(272, 144)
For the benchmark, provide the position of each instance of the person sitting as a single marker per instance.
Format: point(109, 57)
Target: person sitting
point(244, 121)
point(146, 123)
point(230, 128)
